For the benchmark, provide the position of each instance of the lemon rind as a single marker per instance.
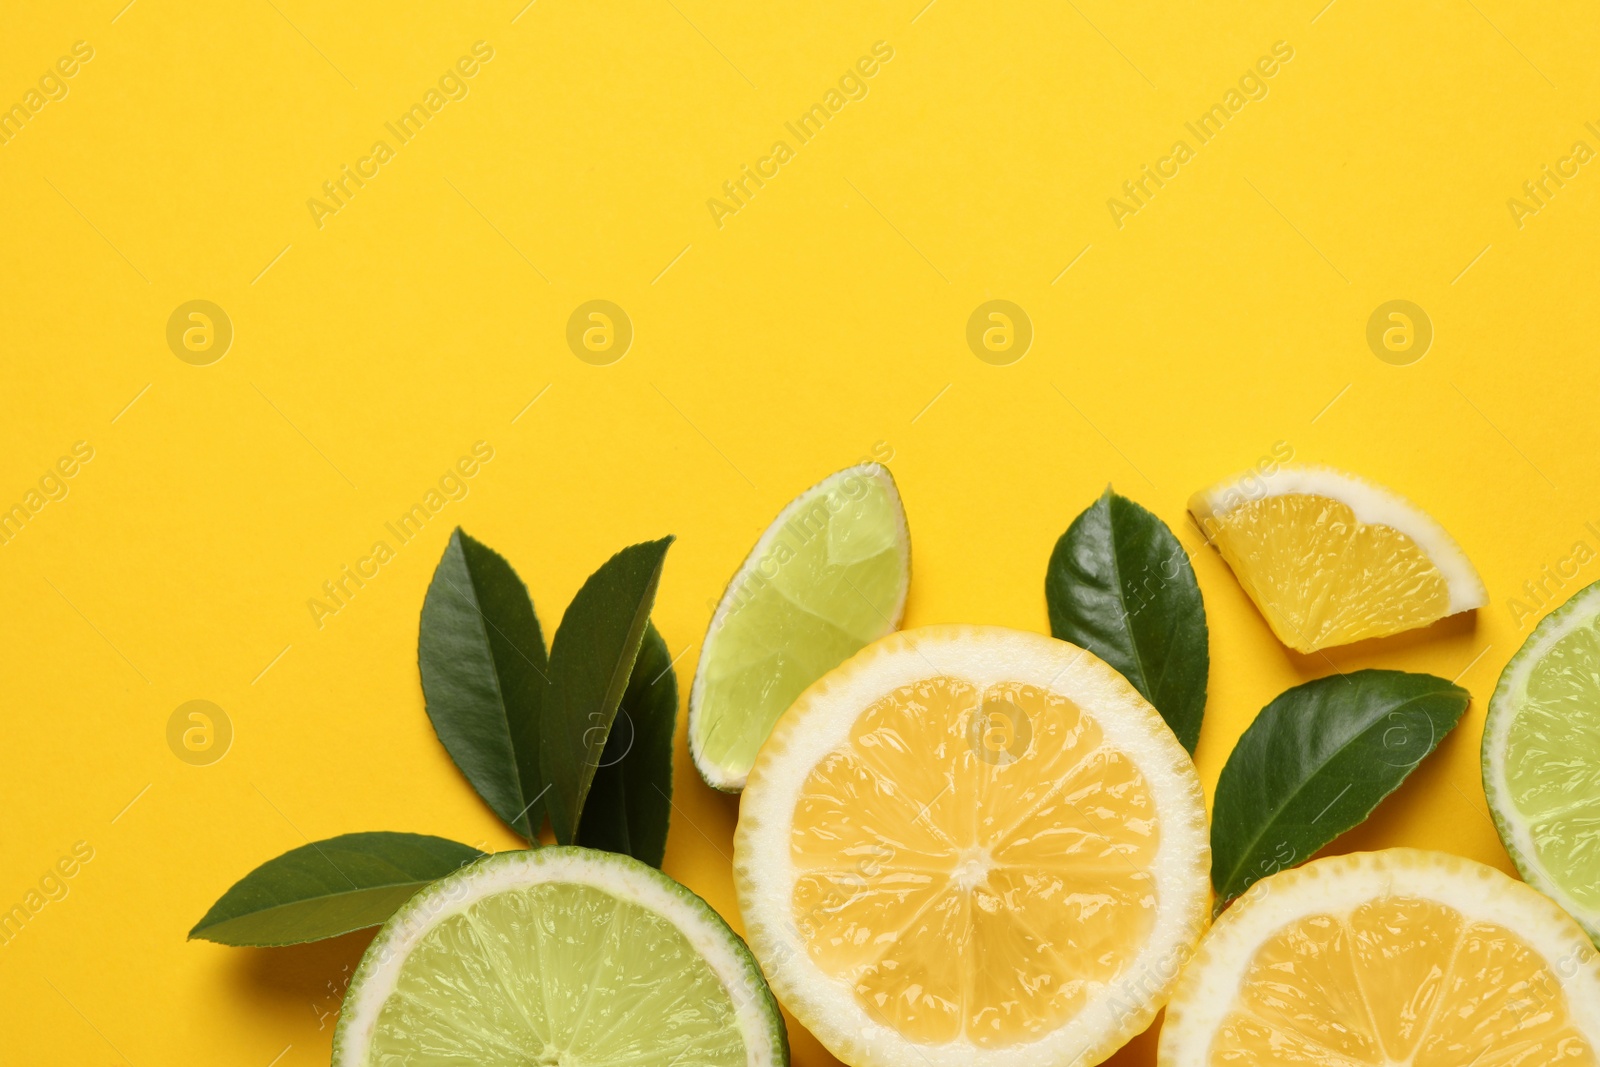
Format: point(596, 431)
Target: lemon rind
point(714, 775)
point(820, 720)
point(1371, 503)
point(1336, 885)
point(1508, 698)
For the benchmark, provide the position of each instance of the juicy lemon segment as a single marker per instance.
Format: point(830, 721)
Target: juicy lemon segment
point(1330, 559)
point(1299, 556)
point(970, 845)
point(1389, 959)
point(971, 914)
point(1366, 989)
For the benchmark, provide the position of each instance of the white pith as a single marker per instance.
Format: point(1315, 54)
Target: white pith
point(1336, 886)
point(1372, 505)
point(820, 721)
point(720, 777)
point(619, 876)
point(1508, 698)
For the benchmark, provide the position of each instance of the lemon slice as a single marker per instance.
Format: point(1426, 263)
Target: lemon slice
point(1398, 958)
point(827, 577)
point(1541, 757)
point(558, 957)
point(972, 846)
point(1330, 558)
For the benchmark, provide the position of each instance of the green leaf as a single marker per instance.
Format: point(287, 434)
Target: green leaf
point(329, 888)
point(1316, 761)
point(630, 802)
point(590, 661)
point(483, 677)
point(1120, 585)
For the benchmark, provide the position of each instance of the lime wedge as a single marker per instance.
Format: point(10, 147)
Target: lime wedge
point(1541, 758)
point(558, 957)
point(827, 578)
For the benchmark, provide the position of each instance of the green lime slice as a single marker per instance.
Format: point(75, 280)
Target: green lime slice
point(558, 957)
point(1541, 758)
point(827, 578)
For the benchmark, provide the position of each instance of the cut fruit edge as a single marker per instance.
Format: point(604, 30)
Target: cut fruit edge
point(721, 778)
point(760, 1023)
point(1507, 700)
point(1371, 503)
point(1210, 984)
point(820, 720)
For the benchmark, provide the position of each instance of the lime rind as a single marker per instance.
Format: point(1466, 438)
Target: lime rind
point(730, 719)
point(758, 1019)
point(1510, 697)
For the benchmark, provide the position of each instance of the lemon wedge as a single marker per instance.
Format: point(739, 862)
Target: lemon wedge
point(1330, 558)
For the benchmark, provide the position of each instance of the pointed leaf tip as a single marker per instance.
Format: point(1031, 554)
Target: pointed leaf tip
point(591, 660)
point(327, 888)
point(484, 673)
point(1119, 584)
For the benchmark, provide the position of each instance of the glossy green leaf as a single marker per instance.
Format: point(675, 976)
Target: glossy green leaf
point(630, 802)
point(329, 888)
point(1120, 585)
point(591, 659)
point(484, 674)
point(1316, 762)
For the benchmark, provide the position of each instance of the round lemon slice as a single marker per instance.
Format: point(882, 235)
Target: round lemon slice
point(1330, 558)
point(1398, 958)
point(972, 846)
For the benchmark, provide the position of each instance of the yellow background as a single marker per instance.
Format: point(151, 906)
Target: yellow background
point(826, 315)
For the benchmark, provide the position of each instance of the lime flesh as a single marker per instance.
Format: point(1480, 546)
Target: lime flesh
point(1542, 757)
point(827, 578)
point(527, 966)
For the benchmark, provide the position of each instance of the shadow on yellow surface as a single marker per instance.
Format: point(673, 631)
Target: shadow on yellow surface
point(1383, 651)
point(298, 978)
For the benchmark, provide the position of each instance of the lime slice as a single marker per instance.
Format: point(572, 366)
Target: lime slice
point(1541, 757)
point(558, 957)
point(827, 578)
